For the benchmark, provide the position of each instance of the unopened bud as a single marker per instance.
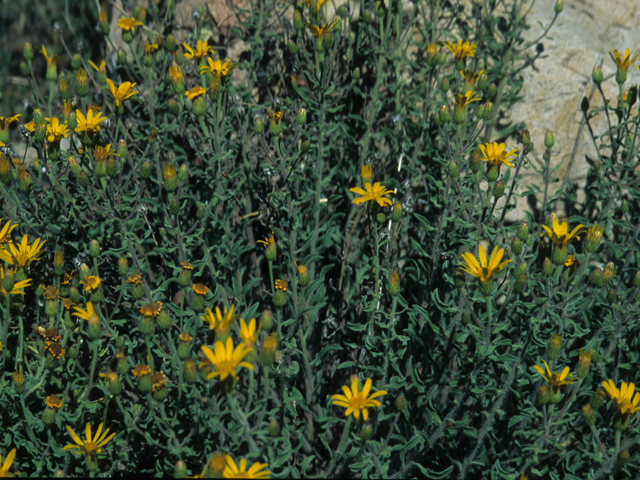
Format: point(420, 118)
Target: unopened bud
point(598, 398)
point(355, 74)
point(274, 428)
point(516, 246)
point(266, 320)
point(558, 7)
point(459, 278)
point(543, 395)
point(608, 273)
point(444, 86)
point(597, 76)
point(520, 283)
point(396, 211)
point(394, 284)
point(553, 350)
point(588, 415)
point(268, 353)
point(584, 362)
point(453, 170)
point(445, 116)
point(498, 189)
point(475, 162)
point(547, 267)
point(293, 48)
point(27, 51)
point(549, 140)
point(94, 248)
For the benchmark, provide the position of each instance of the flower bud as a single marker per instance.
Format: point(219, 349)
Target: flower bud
point(163, 320)
point(598, 398)
point(200, 212)
point(49, 415)
point(293, 48)
point(549, 140)
point(558, 7)
point(94, 248)
point(147, 326)
point(595, 278)
point(394, 284)
point(121, 57)
point(444, 86)
point(607, 274)
point(180, 470)
point(611, 296)
point(584, 362)
point(82, 83)
point(543, 395)
point(27, 51)
point(63, 87)
point(516, 246)
point(520, 283)
point(400, 403)
point(266, 320)
point(274, 428)
point(380, 218)
point(258, 126)
point(268, 352)
point(459, 278)
point(305, 147)
point(145, 170)
point(303, 275)
point(297, 20)
point(623, 456)
point(498, 189)
point(492, 173)
point(366, 433)
point(624, 207)
point(482, 83)
point(190, 371)
point(355, 74)
point(553, 350)
point(445, 116)
point(466, 318)
point(475, 163)
point(72, 122)
point(453, 170)
point(24, 69)
point(597, 76)
point(491, 91)
point(588, 415)
point(170, 178)
point(93, 327)
point(302, 117)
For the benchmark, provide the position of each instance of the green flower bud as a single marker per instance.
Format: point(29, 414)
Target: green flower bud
point(24, 69)
point(380, 218)
point(611, 296)
point(444, 86)
point(466, 318)
point(482, 83)
point(190, 371)
point(516, 246)
point(558, 7)
point(355, 74)
point(549, 141)
point(27, 51)
point(200, 212)
point(493, 173)
point(598, 398)
point(588, 415)
point(523, 232)
point(163, 320)
point(94, 330)
point(94, 248)
point(394, 284)
point(608, 273)
point(491, 91)
point(624, 207)
point(49, 415)
point(553, 350)
point(274, 428)
point(543, 395)
point(170, 43)
point(597, 76)
point(305, 146)
point(453, 170)
point(498, 189)
point(396, 211)
point(488, 111)
point(302, 117)
point(145, 170)
point(623, 456)
point(400, 403)
point(293, 48)
point(475, 162)
point(147, 326)
point(145, 384)
point(279, 298)
point(121, 57)
point(180, 470)
point(595, 278)
point(258, 126)
point(297, 21)
point(366, 433)
point(459, 278)
point(547, 267)
point(266, 320)
point(520, 283)
point(444, 115)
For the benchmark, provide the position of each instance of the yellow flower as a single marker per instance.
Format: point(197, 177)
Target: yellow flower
point(67, 106)
point(102, 68)
point(571, 261)
point(357, 402)
point(90, 123)
point(559, 233)
point(370, 193)
point(53, 401)
point(462, 101)
point(240, 471)
point(275, 116)
point(462, 50)
point(322, 31)
point(470, 77)
point(124, 91)
point(85, 314)
point(200, 288)
point(128, 24)
point(623, 63)
point(495, 154)
point(6, 231)
point(56, 130)
point(227, 360)
point(22, 255)
point(185, 337)
point(217, 68)
point(555, 380)
point(149, 48)
point(17, 287)
point(622, 398)
point(201, 51)
point(91, 284)
point(366, 173)
point(175, 73)
point(4, 469)
point(594, 236)
point(91, 447)
point(151, 310)
point(317, 3)
point(51, 292)
point(248, 334)
point(6, 121)
point(268, 241)
point(194, 93)
point(141, 371)
point(221, 322)
point(135, 279)
point(50, 60)
point(281, 285)
point(101, 154)
point(483, 270)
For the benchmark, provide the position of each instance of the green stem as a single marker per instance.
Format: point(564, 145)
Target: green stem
point(338, 455)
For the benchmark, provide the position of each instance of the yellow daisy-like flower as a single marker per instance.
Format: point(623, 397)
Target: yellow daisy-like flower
point(5, 232)
point(17, 287)
point(217, 68)
point(200, 288)
point(275, 116)
point(555, 380)
point(123, 92)
point(201, 51)
point(248, 334)
point(4, 469)
point(622, 398)
point(53, 401)
point(6, 121)
point(101, 154)
point(56, 130)
point(221, 322)
point(91, 447)
point(462, 50)
point(67, 106)
point(101, 69)
point(90, 123)
point(185, 337)
point(366, 173)
point(268, 241)
point(129, 24)
point(175, 73)
point(85, 314)
point(281, 285)
point(571, 262)
point(370, 193)
point(322, 31)
point(558, 235)
point(462, 100)
point(357, 402)
point(495, 154)
point(227, 360)
point(470, 77)
point(91, 284)
point(135, 279)
point(194, 93)
point(240, 470)
point(22, 255)
point(141, 371)
point(50, 60)
point(151, 309)
point(149, 48)
point(482, 270)
point(623, 63)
